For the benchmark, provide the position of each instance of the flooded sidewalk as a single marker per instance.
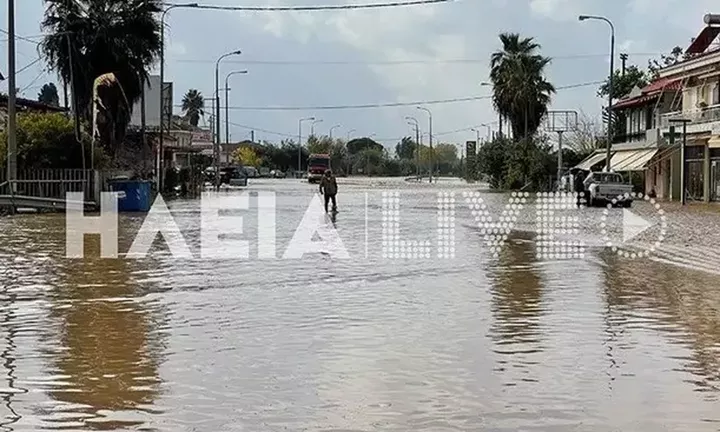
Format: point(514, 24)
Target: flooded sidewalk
point(476, 342)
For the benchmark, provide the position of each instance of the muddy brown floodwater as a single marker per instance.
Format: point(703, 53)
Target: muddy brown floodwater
point(474, 343)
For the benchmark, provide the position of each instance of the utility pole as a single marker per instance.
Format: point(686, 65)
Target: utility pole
point(559, 159)
point(683, 145)
point(623, 59)
point(417, 149)
point(12, 119)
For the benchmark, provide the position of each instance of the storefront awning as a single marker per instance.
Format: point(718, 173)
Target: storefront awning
point(635, 161)
point(591, 161)
point(619, 159)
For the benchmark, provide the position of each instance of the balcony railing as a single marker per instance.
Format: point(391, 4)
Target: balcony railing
point(697, 116)
point(631, 137)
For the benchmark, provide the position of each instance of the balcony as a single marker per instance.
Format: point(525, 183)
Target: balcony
point(701, 120)
point(630, 138)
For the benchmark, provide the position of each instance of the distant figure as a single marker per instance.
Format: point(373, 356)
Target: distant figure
point(579, 185)
point(652, 193)
point(328, 187)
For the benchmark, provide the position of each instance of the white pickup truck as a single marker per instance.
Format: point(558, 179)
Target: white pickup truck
point(603, 187)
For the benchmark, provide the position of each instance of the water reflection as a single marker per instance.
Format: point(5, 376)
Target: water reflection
point(683, 305)
point(110, 349)
point(516, 290)
point(516, 293)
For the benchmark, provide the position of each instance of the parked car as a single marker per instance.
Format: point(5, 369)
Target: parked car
point(230, 175)
point(251, 172)
point(603, 187)
point(277, 174)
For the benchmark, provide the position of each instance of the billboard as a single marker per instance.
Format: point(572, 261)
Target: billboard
point(152, 104)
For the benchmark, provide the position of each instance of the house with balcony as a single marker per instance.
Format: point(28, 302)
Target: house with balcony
point(699, 105)
point(649, 152)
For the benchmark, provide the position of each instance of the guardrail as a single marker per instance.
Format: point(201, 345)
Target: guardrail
point(50, 183)
point(697, 116)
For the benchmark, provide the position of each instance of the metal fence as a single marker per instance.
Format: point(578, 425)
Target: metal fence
point(51, 183)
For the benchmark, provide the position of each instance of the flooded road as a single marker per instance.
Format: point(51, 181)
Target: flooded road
point(473, 343)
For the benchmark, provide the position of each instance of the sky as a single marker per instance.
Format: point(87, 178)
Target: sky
point(379, 56)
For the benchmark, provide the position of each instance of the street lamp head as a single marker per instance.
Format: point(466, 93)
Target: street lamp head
point(583, 17)
point(192, 5)
point(236, 52)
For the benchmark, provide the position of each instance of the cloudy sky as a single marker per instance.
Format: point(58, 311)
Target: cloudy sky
point(405, 54)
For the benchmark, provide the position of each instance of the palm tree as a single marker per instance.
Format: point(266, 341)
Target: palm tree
point(193, 105)
point(520, 91)
point(102, 36)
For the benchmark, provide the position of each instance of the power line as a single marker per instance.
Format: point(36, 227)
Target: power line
point(37, 77)
point(22, 38)
point(28, 66)
point(387, 62)
point(388, 104)
point(319, 8)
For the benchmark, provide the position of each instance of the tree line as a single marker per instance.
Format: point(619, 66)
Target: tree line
point(360, 156)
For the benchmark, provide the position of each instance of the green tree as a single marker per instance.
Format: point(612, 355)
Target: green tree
point(193, 106)
point(49, 95)
point(319, 145)
point(118, 36)
point(339, 157)
point(520, 91)
point(369, 161)
point(624, 83)
point(675, 56)
point(405, 149)
point(247, 156)
point(358, 144)
point(47, 141)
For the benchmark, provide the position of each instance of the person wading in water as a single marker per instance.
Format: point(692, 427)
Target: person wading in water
point(328, 188)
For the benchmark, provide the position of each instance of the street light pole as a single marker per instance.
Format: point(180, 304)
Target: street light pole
point(610, 82)
point(331, 130)
point(349, 133)
point(227, 102)
point(12, 114)
point(300, 122)
point(312, 126)
point(413, 121)
point(217, 113)
point(432, 159)
point(161, 140)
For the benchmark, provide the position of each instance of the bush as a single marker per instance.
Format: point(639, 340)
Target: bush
point(529, 164)
point(48, 141)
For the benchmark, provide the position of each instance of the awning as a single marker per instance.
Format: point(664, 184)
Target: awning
point(591, 161)
point(634, 102)
point(714, 142)
point(619, 159)
point(636, 161)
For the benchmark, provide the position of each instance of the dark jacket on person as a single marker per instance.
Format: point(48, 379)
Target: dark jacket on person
point(328, 185)
point(580, 182)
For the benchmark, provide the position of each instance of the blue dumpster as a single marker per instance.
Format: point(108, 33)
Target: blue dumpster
point(134, 195)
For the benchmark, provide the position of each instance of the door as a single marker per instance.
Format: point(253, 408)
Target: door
point(715, 180)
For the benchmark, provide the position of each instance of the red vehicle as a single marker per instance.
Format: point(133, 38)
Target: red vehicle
point(317, 164)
